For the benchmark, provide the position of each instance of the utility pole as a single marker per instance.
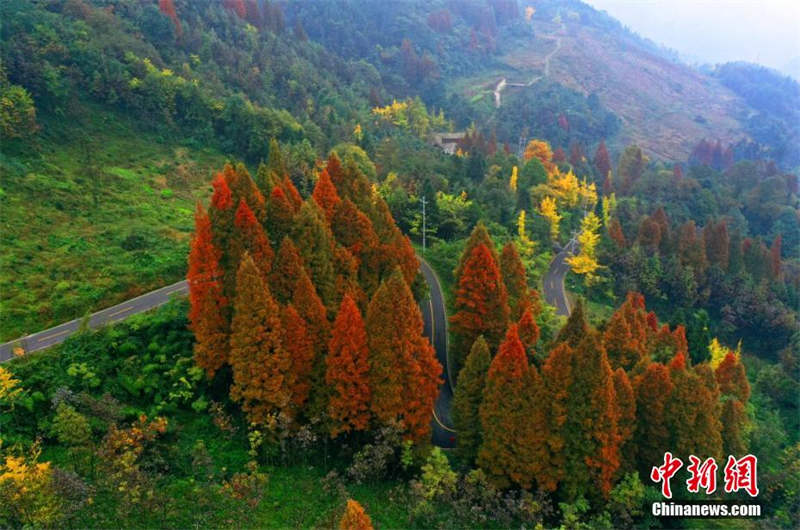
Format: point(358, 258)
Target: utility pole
point(424, 227)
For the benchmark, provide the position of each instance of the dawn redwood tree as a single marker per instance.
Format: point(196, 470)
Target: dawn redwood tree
point(515, 279)
point(467, 400)
point(347, 371)
point(717, 242)
point(401, 358)
point(504, 455)
point(478, 235)
point(262, 374)
point(300, 347)
point(286, 268)
point(325, 194)
point(626, 403)
point(242, 186)
point(576, 327)
point(528, 330)
point(208, 306)
point(312, 235)
point(626, 337)
point(334, 168)
point(292, 195)
point(481, 304)
point(652, 388)
point(250, 237)
point(692, 412)
point(168, 8)
point(557, 379)
point(591, 432)
point(602, 162)
point(735, 391)
point(280, 213)
point(311, 308)
point(354, 517)
point(732, 379)
point(353, 229)
point(222, 212)
point(616, 234)
point(691, 249)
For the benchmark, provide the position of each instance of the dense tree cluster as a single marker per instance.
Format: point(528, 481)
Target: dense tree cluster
point(600, 404)
point(319, 323)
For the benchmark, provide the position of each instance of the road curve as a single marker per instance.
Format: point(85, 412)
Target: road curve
point(433, 312)
point(553, 282)
point(56, 335)
point(435, 317)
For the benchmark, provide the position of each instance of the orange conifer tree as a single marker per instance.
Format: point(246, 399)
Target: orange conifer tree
point(310, 307)
point(325, 194)
point(481, 304)
point(261, 366)
point(557, 379)
point(626, 402)
point(692, 412)
point(400, 358)
point(528, 330)
point(355, 518)
point(252, 239)
point(502, 416)
point(591, 432)
point(208, 305)
point(348, 371)
point(285, 270)
point(652, 388)
point(300, 347)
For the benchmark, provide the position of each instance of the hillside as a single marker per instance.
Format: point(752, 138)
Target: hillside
point(664, 106)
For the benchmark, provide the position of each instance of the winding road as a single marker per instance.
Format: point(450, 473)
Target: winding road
point(553, 281)
point(503, 83)
point(432, 308)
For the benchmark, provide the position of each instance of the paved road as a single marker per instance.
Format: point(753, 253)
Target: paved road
point(433, 311)
point(435, 317)
point(56, 335)
point(553, 282)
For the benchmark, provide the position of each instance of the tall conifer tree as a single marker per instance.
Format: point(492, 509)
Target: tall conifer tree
point(348, 371)
point(262, 374)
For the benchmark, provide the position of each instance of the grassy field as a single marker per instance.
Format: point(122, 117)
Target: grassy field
point(91, 220)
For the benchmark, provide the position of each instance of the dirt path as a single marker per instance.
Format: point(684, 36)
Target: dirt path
point(503, 83)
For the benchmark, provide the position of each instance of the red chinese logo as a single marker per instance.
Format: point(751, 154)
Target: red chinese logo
point(665, 472)
point(741, 475)
point(703, 475)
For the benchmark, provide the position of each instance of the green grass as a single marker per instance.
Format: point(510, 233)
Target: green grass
point(90, 220)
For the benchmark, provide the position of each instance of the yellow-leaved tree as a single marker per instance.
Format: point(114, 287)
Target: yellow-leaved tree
point(609, 206)
point(564, 186)
point(585, 262)
point(549, 211)
point(524, 243)
point(718, 351)
point(512, 183)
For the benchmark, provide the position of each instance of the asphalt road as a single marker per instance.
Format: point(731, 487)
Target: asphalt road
point(553, 282)
point(433, 312)
point(56, 335)
point(435, 318)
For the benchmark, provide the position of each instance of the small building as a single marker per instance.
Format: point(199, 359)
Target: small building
point(447, 141)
